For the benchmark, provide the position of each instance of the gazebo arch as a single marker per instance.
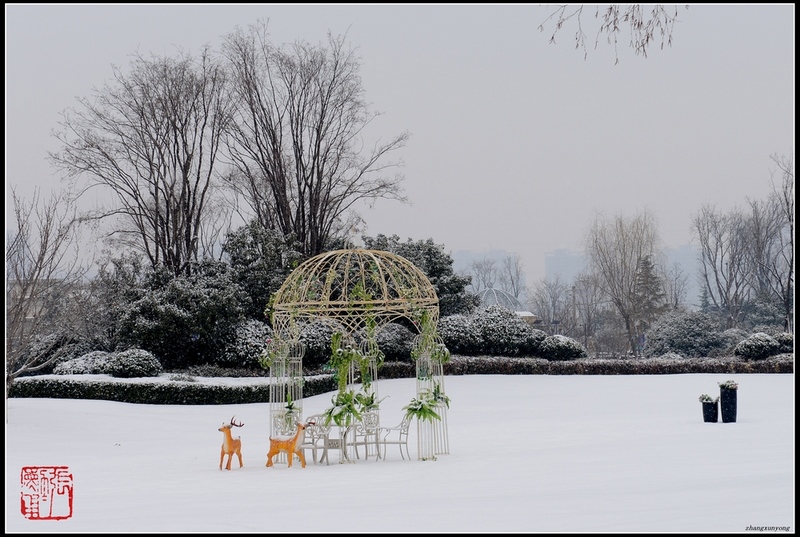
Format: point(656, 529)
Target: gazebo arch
point(359, 291)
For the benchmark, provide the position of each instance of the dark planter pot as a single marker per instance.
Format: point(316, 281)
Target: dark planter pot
point(727, 399)
point(710, 412)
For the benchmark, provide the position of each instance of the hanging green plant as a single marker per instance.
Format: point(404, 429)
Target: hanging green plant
point(440, 353)
point(439, 395)
point(345, 409)
point(368, 401)
point(422, 408)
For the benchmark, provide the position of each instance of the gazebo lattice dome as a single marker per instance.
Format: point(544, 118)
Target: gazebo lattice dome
point(359, 291)
point(353, 287)
point(498, 297)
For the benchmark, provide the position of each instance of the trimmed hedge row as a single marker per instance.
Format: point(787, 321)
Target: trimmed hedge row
point(172, 393)
point(189, 393)
point(490, 365)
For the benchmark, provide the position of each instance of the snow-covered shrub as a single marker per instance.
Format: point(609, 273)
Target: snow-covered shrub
point(316, 336)
point(246, 345)
point(732, 337)
point(396, 342)
point(691, 334)
point(134, 363)
point(459, 334)
point(769, 329)
point(185, 320)
point(492, 330)
point(559, 347)
point(758, 346)
point(92, 363)
point(670, 356)
point(786, 341)
point(504, 333)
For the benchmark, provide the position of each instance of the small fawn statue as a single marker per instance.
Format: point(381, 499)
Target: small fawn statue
point(230, 445)
point(291, 445)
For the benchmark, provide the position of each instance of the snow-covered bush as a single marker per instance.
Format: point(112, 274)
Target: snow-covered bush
point(92, 363)
point(316, 336)
point(246, 345)
point(396, 342)
point(559, 347)
point(134, 363)
point(732, 337)
point(492, 330)
point(459, 335)
point(185, 320)
point(758, 346)
point(786, 341)
point(691, 334)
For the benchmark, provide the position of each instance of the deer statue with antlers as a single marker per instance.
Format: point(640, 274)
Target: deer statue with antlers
point(291, 445)
point(230, 445)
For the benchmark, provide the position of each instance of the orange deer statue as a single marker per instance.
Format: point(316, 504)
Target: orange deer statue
point(230, 445)
point(291, 445)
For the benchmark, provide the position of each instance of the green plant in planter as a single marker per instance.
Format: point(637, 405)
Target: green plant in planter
point(423, 407)
point(705, 398)
point(728, 385)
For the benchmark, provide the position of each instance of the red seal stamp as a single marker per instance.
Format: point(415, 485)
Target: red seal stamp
point(46, 492)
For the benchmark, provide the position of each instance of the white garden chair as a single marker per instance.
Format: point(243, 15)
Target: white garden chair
point(316, 438)
point(395, 436)
point(365, 433)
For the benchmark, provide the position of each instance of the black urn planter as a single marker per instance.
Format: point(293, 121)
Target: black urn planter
point(727, 399)
point(710, 412)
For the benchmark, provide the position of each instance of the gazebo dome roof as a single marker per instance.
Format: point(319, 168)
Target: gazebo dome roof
point(498, 297)
point(352, 286)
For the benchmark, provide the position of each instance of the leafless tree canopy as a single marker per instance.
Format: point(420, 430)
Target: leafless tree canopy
point(297, 139)
point(781, 259)
point(484, 273)
point(511, 275)
point(646, 24)
point(550, 300)
point(152, 138)
point(725, 261)
point(42, 271)
point(615, 248)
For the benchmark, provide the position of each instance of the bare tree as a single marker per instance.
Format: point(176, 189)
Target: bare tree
point(676, 284)
point(297, 139)
point(484, 273)
point(152, 138)
point(511, 275)
point(779, 265)
point(550, 300)
point(587, 301)
point(646, 23)
point(43, 269)
point(725, 270)
point(615, 249)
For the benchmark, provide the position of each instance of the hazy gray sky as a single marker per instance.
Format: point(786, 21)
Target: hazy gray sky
point(515, 143)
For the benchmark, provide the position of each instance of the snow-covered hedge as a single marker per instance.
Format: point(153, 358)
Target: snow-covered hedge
point(690, 334)
point(757, 347)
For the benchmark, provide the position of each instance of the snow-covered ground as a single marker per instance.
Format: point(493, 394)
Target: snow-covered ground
point(527, 454)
